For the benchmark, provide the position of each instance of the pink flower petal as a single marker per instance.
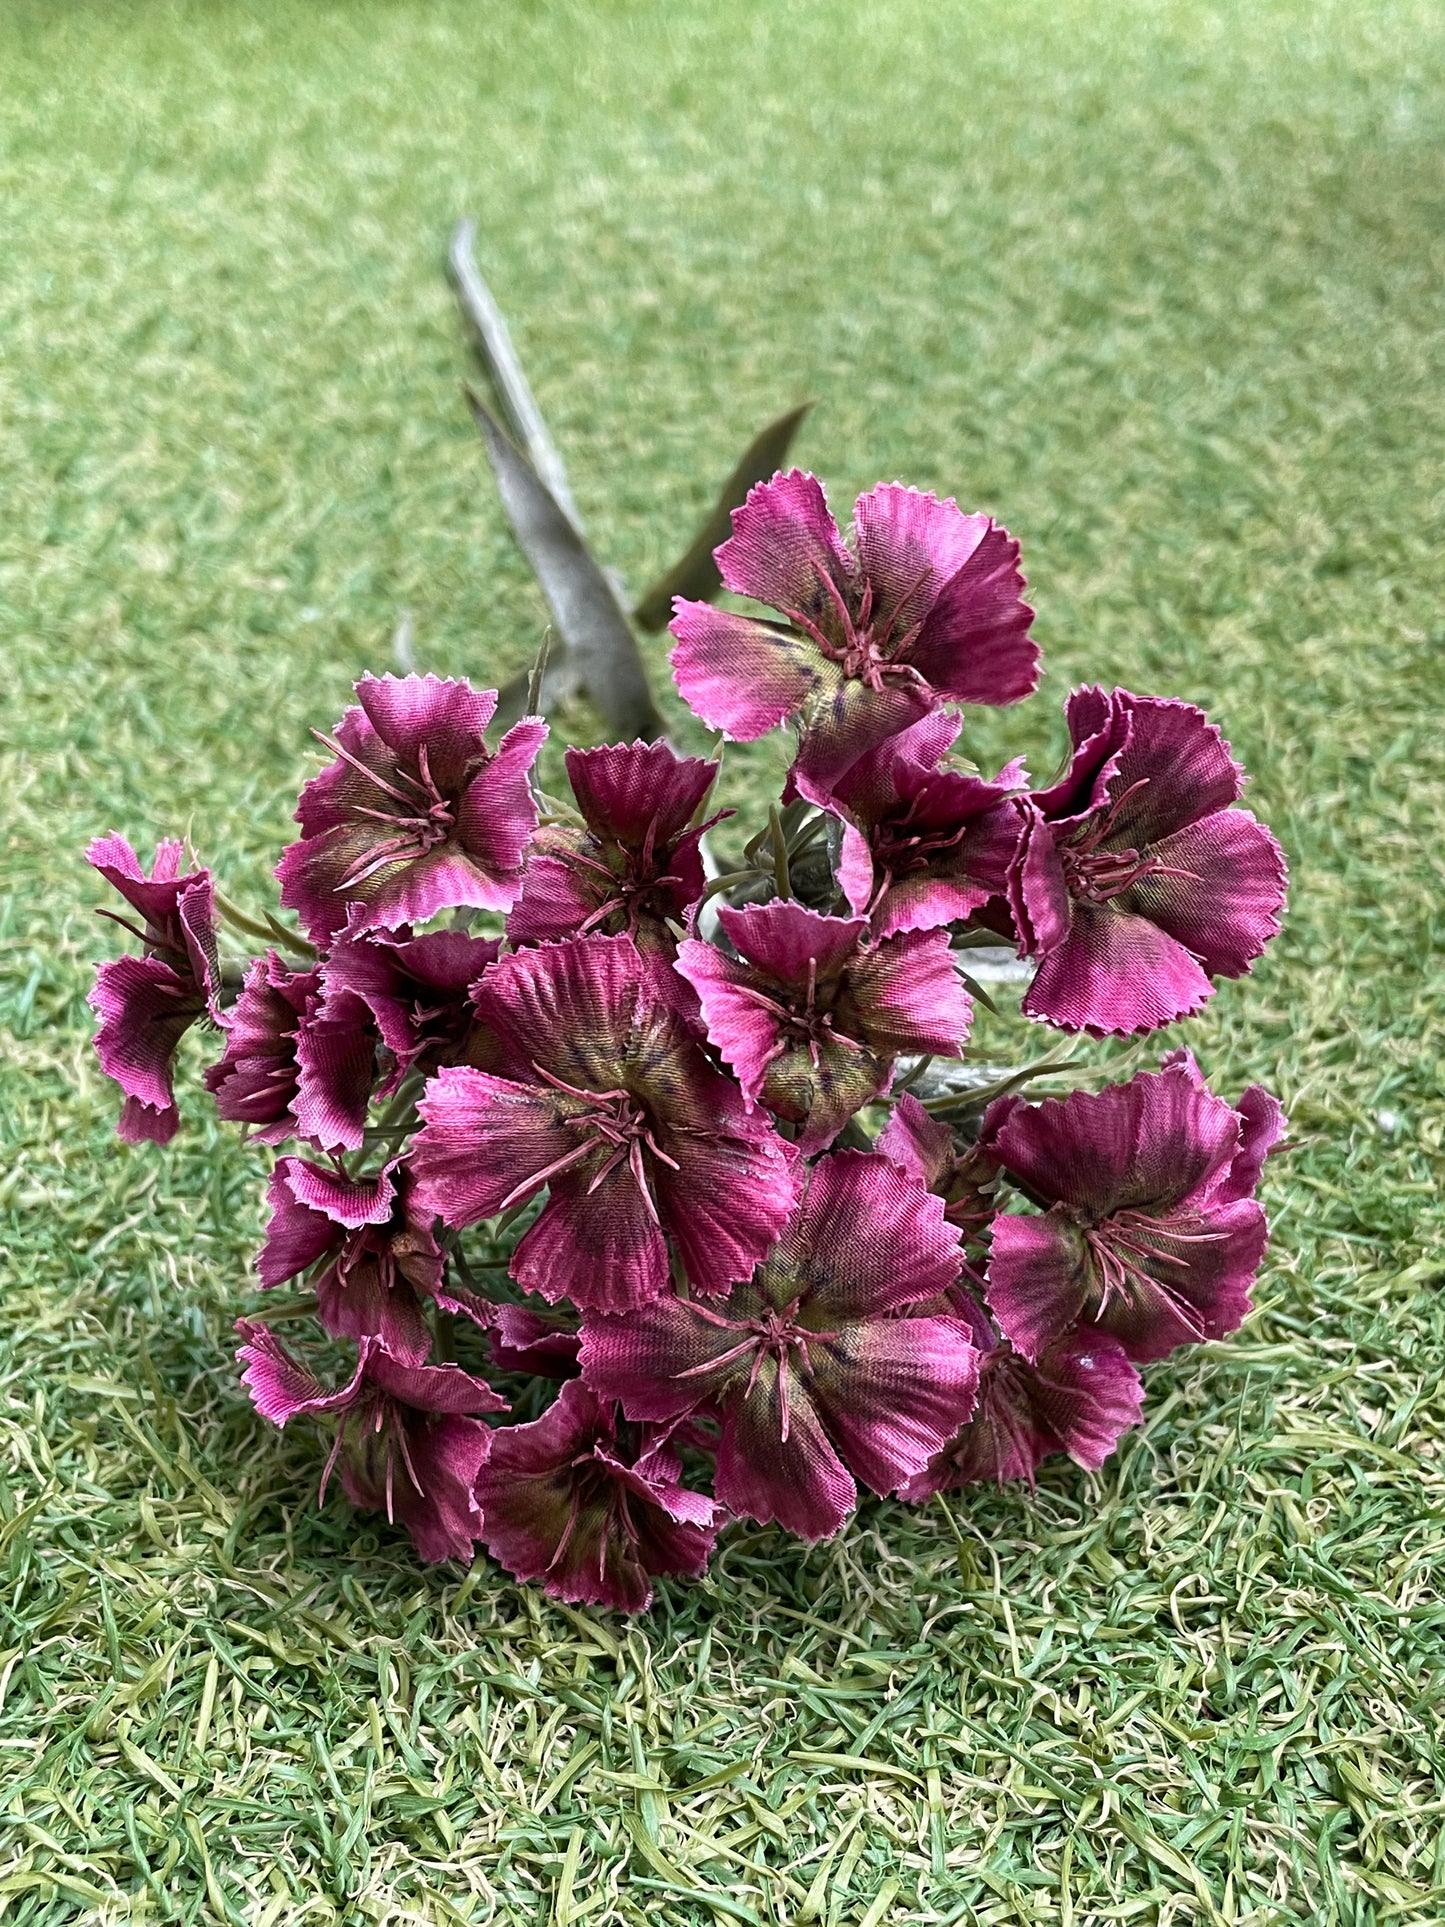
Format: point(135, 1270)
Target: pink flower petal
point(1080, 1398)
point(550, 1500)
point(1225, 906)
point(785, 546)
point(1098, 728)
point(158, 896)
point(347, 1201)
point(1038, 897)
point(569, 1006)
point(447, 719)
point(909, 546)
point(1151, 1142)
point(975, 644)
point(254, 1082)
point(740, 1029)
point(870, 1240)
point(784, 939)
point(145, 1008)
point(731, 1195)
point(430, 1388)
point(893, 1392)
point(920, 1143)
point(336, 1067)
point(737, 674)
point(544, 1343)
point(601, 1248)
point(1262, 1124)
point(430, 1487)
point(280, 1388)
point(912, 996)
point(416, 989)
point(658, 1360)
point(141, 1123)
point(1115, 974)
point(297, 1235)
point(1174, 767)
point(795, 1477)
point(557, 899)
point(844, 719)
point(355, 1300)
point(629, 792)
point(483, 1138)
point(498, 814)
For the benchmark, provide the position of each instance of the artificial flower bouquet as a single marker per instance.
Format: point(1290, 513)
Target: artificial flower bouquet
point(663, 1138)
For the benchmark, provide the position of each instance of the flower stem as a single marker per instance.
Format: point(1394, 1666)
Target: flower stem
point(780, 853)
point(269, 932)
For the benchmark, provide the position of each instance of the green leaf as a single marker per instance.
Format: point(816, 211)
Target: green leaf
point(493, 342)
point(601, 651)
point(696, 576)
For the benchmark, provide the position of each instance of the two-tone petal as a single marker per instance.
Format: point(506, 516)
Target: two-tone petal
point(611, 1106)
point(926, 608)
point(416, 814)
point(811, 1015)
point(1144, 1231)
point(817, 1370)
point(591, 1509)
point(1079, 1398)
point(1138, 881)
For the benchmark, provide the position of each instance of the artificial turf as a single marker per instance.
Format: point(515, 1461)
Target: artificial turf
point(1157, 284)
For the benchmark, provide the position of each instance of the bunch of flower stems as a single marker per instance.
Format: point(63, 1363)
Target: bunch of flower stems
point(637, 1144)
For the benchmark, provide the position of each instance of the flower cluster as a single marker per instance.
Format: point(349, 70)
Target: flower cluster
point(657, 1153)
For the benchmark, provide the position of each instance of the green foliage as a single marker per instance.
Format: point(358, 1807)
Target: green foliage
point(1158, 284)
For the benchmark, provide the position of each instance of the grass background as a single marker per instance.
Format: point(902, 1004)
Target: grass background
point(1157, 283)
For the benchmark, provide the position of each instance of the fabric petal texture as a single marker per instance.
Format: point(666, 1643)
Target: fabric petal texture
point(927, 609)
point(146, 1004)
point(1080, 1398)
point(1137, 882)
point(634, 865)
point(810, 1017)
point(427, 1480)
point(1145, 1233)
point(738, 675)
point(617, 1112)
point(416, 814)
point(571, 1501)
point(814, 1377)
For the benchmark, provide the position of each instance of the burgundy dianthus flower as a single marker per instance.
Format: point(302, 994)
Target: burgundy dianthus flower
point(635, 867)
point(608, 1101)
point(415, 990)
point(416, 815)
point(1148, 1230)
point(815, 1367)
point(921, 846)
point(965, 1178)
point(296, 1064)
point(146, 1004)
point(544, 1343)
point(928, 609)
point(1080, 1398)
point(412, 1447)
point(590, 1506)
point(255, 1080)
point(376, 1257)
point(811, 1016)
point(1137, 882)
